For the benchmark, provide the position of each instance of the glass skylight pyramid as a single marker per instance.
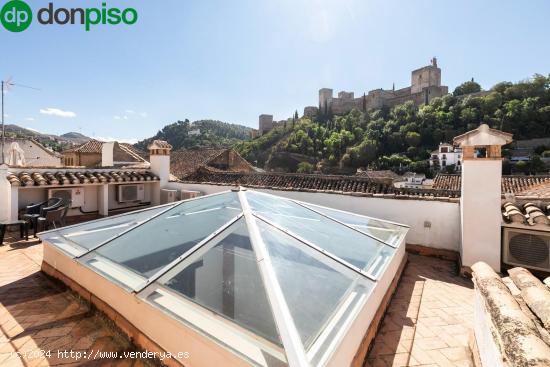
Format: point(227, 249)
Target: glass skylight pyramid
point(282, 278)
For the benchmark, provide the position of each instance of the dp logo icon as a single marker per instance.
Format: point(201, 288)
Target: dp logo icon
point(16, 16)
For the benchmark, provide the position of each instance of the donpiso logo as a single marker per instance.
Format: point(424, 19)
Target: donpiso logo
point(16, 16)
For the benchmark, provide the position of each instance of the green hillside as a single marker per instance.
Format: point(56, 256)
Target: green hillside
point(401, 138)
point(213, 134)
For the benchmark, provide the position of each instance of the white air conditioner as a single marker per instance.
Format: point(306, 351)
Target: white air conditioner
point(168, 196)
point(188, 194)
point(527, 248)
point(130, 193)
point(75, 194)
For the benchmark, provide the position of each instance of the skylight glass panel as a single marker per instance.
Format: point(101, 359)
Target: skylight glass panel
point(387, 232)
point(321, 294)
point(355, 248)
point(156, 243)
point(223, 277)
point(78, 239)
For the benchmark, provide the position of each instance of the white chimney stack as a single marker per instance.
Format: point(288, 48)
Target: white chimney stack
point(107, 154)
point(480, 202)
point(159, 157)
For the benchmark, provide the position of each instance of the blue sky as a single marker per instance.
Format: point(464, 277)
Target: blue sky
point(233, 60)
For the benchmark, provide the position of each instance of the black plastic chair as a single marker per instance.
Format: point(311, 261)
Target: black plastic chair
point(35, 211)
point(54, 217)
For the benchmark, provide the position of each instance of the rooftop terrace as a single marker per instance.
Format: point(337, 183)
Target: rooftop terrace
point(428, 322)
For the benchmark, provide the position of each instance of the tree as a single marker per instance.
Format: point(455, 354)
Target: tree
point(522, 166)
point(305, 167)
point(412, 138)
point(467, 88)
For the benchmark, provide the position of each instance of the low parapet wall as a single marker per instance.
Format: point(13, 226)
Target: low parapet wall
point(433, 223)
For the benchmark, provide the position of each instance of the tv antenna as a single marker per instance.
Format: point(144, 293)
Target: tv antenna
point(7, 85)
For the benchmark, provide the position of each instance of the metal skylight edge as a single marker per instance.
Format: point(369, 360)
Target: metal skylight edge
point(316, 248)
point(107, 218)
point(290, 337)
point(344, 224)
point(140, 224)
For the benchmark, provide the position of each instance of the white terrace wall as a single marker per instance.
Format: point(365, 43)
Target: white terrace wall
point(36, 194)
point(433, 223)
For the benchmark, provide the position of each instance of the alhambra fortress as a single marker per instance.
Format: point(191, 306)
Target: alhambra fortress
point(425, 85)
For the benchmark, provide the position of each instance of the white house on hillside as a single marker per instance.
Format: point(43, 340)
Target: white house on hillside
point(446, 155)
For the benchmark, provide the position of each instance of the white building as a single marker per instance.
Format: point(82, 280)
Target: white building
point(446, 155)
point(413, 180)
point(102, 191)
point(34, 153)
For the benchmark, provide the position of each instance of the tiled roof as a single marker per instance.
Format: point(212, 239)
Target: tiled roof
point(447, 182)
point(528, 213)
point(379, 175)
point(95, 146)
point(138, 155)
point(36, 178)
point(539, 191)
point(184, 162)
point(516, 308)
point(355, 185)
point(159, 144)
point(510, 184)
point(92, 146)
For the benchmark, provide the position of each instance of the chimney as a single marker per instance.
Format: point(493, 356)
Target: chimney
point(480, 202)
point(107, 154)
point(5, 193)
point(159, 156)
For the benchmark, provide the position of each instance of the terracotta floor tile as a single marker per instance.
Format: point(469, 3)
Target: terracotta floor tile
point(36, 314)
point(430, 317)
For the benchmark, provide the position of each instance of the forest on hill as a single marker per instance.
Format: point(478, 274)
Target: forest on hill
point(199, 134)
point(401, 138)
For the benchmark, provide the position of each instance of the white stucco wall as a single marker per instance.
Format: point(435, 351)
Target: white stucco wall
point(480, 212)
point(5, 193)
point(92, 197)
point(433, 223)
point(160, 166)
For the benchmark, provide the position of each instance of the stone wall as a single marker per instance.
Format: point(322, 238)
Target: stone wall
point(425, 85)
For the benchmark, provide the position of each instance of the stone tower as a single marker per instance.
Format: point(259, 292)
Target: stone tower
point(480, 199)
point(425, 77)
point(265, 123)
point(325, 100)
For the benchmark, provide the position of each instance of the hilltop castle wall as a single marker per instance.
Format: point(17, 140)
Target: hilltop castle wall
point(425, 86)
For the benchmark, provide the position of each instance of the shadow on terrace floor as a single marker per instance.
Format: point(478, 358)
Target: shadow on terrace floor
point(429, 320)
point(39, 314)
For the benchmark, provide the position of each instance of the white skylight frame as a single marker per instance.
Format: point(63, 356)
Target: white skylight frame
point(293, 346)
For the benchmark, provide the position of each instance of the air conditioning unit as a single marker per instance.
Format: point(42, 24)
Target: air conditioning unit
point(168, 196)
point(527, 248)
point(130, 193)
point(75, 194)
point(188, 194)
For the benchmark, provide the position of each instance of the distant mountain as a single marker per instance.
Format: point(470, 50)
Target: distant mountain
point(199, 134)
point(57, 143)
point(75, 137)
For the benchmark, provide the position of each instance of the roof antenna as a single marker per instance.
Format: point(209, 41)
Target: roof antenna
point(6, 84)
